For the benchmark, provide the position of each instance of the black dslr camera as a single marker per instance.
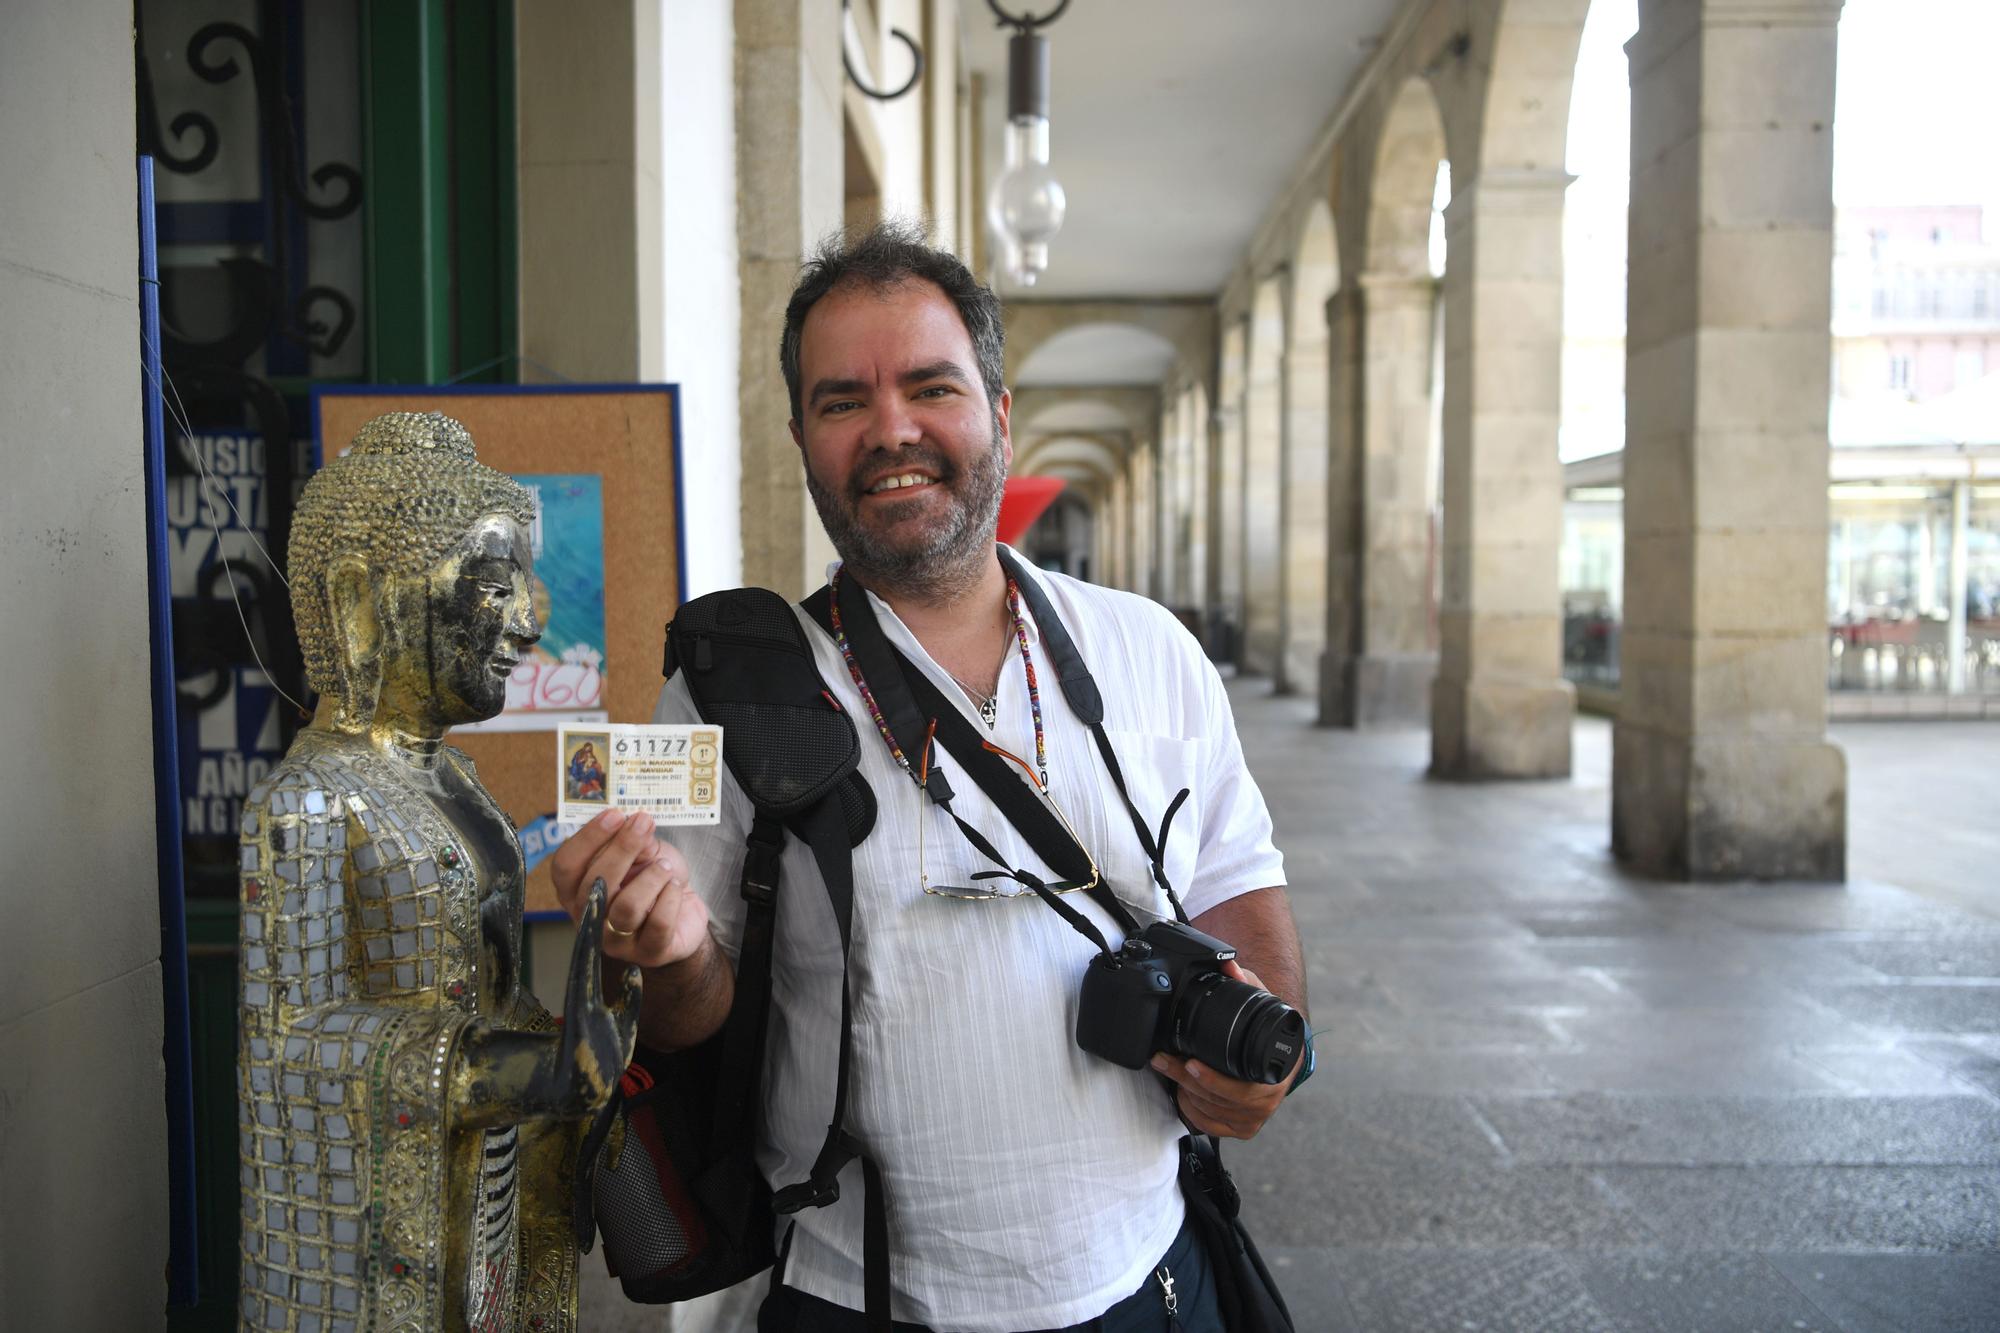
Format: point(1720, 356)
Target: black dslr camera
point(1164, 990)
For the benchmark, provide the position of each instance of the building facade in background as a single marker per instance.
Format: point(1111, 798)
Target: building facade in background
point(1916, 310)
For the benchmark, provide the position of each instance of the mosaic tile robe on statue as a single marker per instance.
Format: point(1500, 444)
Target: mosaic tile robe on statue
point(364, 959)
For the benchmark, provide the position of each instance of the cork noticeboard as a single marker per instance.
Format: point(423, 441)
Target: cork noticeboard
point(628, 435)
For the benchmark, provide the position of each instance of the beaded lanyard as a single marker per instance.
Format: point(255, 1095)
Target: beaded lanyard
point(875, 709)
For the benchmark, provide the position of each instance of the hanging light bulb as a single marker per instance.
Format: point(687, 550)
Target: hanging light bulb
point(1025, 206)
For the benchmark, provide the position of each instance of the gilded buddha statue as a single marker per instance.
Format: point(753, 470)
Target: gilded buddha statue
point(410, 1116)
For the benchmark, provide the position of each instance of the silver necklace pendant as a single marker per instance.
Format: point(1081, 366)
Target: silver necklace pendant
point(989, 711)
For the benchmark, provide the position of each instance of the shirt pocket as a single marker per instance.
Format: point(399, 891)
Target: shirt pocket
point(1156, 768)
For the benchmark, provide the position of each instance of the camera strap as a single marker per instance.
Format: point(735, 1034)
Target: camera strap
point(909, 702)
point(1080, 691)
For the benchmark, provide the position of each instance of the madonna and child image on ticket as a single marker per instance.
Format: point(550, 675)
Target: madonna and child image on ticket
point(671, 773)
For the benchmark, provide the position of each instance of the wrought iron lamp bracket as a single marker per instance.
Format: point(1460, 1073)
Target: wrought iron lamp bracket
point(916, 71)
point(1026, 22)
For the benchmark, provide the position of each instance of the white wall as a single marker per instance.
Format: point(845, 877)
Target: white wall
point(689, 302)
point(702, 309)
point(83, 1225)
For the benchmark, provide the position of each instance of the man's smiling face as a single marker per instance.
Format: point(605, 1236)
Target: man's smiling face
point(905, 455)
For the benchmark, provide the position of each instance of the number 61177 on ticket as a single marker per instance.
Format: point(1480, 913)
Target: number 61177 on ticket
point(672, 773)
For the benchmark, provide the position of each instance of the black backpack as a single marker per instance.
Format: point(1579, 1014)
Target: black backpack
point(669, 1172)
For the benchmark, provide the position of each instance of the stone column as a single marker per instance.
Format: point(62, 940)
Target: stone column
point(1386, 675)
point(1500, 707)
point(1226, 551)
point(1341, 616)
point(789, 172)
point(1166, 489)
point(1262, 498)
point(1200, 449)
point(1128, 521)
point(1721, 764)
point(1302, 568)
point(1145, 574)
point(1121, 509)
point(1111, 533)
point(1104, 523)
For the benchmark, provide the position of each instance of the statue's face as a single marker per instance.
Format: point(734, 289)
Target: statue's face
point(463, 626)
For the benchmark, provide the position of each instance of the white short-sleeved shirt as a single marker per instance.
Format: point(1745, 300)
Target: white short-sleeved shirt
point(1029, 1185)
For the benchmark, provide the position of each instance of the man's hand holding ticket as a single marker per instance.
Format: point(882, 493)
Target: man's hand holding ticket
point(671, 773)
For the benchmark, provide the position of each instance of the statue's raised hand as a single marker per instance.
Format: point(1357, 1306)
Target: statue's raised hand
point(597, 1038)
point(507, 1075)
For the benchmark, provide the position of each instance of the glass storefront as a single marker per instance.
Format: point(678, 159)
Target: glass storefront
point(1890, 554)
point(1593, 583)
point(1889, 586)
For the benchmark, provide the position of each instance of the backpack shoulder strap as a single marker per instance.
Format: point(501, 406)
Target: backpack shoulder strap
point(794, 751)
point(751, 672)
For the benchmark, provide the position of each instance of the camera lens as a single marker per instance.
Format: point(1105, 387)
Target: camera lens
point(1230, 1025)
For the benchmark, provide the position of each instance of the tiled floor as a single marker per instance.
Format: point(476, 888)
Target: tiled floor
point(1553, 1096)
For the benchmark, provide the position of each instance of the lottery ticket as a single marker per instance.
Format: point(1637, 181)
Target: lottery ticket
point(671, 773)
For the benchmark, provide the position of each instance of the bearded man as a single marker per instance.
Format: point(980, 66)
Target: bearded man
point(1029, 1185)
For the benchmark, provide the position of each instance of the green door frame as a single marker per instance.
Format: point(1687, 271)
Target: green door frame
point(439, 162)
point(486, 308)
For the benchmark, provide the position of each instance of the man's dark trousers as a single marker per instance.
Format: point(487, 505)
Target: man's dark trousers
point(787, 1310)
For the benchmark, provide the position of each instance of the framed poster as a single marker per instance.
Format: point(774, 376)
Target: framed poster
point(610, 561)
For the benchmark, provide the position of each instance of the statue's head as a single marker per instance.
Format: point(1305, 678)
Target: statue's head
point(411, 577)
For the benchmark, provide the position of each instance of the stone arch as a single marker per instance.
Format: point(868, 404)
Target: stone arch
point(1101, 454)
point(1186, 326)
point(1525, 125)
point(1046, 409)
point(1097, 352)
point(1315, 274)
point(1404, 179)
point(1263, 461)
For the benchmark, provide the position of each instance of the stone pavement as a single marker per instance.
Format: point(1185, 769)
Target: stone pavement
point(1553, 1096)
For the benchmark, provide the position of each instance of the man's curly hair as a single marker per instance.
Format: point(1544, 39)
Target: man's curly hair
point(886, 256)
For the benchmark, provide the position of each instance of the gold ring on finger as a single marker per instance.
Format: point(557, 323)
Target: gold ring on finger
point(616, 933)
